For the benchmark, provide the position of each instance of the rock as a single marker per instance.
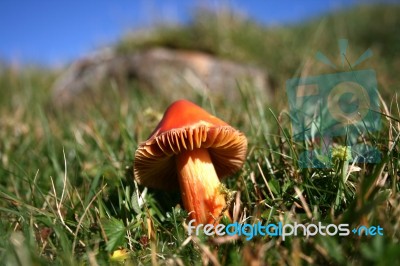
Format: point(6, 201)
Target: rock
point(170, 73)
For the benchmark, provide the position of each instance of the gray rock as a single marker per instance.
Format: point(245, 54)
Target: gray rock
point(170, 73)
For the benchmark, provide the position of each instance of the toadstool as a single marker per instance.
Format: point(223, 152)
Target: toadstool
point(191, 149)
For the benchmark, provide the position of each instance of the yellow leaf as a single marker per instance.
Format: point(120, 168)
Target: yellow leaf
point(119, 254)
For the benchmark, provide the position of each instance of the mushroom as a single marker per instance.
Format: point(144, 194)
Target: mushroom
point(191, 149)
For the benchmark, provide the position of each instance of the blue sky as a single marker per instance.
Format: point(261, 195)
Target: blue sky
point(56, 32)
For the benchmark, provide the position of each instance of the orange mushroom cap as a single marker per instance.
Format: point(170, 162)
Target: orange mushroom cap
point(186, 127)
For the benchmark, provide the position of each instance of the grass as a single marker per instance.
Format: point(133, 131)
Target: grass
point(67, 195)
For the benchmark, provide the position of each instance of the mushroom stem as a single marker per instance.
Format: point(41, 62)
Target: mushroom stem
point(200, 186)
